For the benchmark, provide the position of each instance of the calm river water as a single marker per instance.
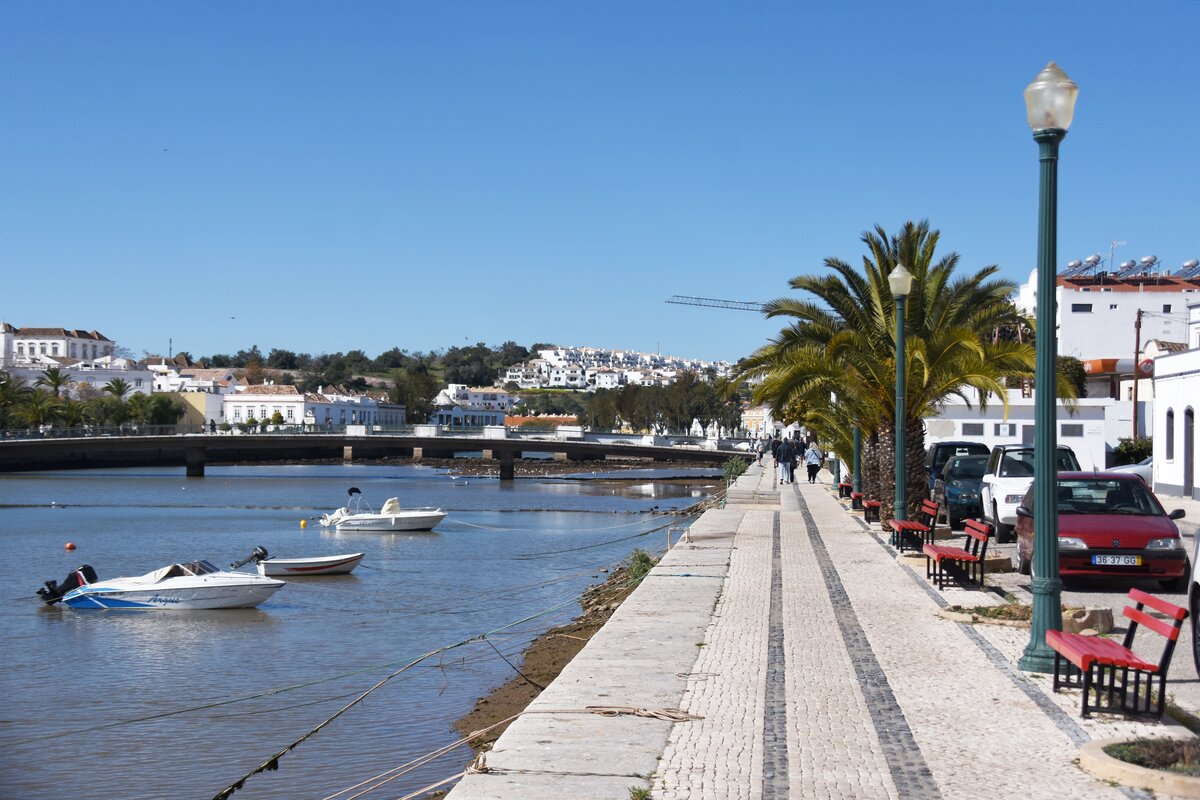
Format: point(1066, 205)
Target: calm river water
point(180, 704)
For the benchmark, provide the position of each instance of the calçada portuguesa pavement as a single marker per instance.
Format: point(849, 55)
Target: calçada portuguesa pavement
point(809, 663)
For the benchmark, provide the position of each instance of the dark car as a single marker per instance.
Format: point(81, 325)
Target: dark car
point(938, 454)
point(957, 488)
point(1109, 524)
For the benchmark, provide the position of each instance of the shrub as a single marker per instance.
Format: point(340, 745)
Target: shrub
point(735, 468)
point(1131, 451)
point(638, 564)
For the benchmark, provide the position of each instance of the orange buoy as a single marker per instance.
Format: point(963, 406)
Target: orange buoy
point(70, 546)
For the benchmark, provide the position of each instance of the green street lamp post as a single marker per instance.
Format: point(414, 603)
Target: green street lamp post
point(1050, 105)
point(900, 280)
point(857, 459)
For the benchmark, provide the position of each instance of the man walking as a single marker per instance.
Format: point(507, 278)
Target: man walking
point(785, 456)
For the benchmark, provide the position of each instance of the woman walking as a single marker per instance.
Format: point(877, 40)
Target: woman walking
point(813, 459)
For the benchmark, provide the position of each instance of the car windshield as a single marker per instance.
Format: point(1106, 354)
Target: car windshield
point(967, 467)
point(1106, 496)
point(1019, 463)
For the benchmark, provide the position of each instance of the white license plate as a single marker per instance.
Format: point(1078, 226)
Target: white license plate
point(1117, 561)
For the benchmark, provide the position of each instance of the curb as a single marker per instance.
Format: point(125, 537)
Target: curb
point(1094, 760)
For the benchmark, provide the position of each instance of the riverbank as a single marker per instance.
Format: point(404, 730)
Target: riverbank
point(546, 656)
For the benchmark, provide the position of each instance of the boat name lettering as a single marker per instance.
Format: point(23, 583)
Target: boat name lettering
point(158, 598)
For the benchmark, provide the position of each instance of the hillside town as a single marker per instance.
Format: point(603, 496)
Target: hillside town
point(1138, 338)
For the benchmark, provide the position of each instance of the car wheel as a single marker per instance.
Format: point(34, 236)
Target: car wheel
point(1024, 567)
point(1003, 532)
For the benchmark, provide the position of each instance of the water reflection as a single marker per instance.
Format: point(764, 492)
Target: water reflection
point(253, 680)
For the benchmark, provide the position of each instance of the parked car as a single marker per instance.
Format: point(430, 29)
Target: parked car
point(1008, 476)
point(1144, 469)
point(1110, 524)
point(957, 488)
point(938, 454)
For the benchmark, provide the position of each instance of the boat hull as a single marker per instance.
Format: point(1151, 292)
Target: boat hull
point(404, 521)
point(302, 567)
point(184, 598)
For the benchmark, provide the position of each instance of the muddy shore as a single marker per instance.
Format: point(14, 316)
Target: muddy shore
point(544, 659)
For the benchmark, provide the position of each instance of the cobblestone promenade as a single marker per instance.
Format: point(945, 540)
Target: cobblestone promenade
point(815, 666)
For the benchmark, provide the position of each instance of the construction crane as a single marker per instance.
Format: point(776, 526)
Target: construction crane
point(708, 302)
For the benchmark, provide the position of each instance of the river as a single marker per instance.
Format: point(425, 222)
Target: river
point(144, 704)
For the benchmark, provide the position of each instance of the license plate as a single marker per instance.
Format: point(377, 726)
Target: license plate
point(1117, 561)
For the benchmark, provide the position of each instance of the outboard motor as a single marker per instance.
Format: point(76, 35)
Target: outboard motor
point(259, 554)
point(53, 591)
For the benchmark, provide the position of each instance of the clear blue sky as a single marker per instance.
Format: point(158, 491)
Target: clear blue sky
point(329, 176)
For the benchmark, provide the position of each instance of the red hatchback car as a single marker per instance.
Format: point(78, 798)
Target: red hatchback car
point(1109, 524)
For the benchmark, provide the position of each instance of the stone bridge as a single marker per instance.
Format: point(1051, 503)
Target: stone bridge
point(194, 451)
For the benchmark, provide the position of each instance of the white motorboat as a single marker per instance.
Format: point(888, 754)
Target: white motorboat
point(303, 567)
point(359, 516)
point(186, 586)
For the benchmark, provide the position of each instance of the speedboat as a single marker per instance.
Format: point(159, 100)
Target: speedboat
point(358, 515)
point(186, 586)
point(303, 567)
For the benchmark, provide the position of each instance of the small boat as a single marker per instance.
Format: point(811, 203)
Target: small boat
point(302, 567)
point(186, 586)
point(359, 516)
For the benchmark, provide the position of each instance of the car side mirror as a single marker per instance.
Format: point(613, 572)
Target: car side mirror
point(1022, 511)
point(1177, 514)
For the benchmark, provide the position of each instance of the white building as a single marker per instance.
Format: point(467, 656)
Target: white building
point(329, 407)
point(41, 347)
point(1092, 431)
point(1177, 395)
point(1098, 314)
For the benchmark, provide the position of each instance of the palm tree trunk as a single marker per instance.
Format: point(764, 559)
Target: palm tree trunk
point(885, 464)
point(916, 478)
point(870, 465)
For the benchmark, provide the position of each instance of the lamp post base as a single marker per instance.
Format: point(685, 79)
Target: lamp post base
point(1047, 616)
point(1037, 659)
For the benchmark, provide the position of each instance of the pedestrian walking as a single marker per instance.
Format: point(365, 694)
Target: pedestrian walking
point(813, 459)
point(785, 457)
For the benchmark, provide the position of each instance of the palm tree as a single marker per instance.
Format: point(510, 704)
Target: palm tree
point(73, 413)
point(13, 392)
point(38, 408)
point(844, 345)
point(118, 387)
point(55, 380)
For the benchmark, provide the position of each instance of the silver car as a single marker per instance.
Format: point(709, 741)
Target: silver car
point(1144, 469)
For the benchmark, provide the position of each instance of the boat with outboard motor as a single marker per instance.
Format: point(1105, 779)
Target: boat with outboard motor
point(185, 586)
point(358, 515)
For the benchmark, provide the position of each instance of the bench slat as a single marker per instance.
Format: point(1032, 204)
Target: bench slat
point(1158, 604)
point(1156, 625)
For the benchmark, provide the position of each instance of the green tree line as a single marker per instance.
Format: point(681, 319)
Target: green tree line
point(48, 402)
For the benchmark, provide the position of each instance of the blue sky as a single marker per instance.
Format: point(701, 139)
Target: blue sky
point(329, 176)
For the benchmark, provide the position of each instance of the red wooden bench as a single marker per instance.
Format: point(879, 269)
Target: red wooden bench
point(871, 510)
point(965, 562)
point(910, 534)
point(856, 501)
point(844, 488)
point(1114, 679)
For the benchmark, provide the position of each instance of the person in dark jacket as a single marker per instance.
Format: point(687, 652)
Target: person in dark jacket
point(785, 457)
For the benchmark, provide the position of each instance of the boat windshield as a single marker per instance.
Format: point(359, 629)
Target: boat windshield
point(200, 567)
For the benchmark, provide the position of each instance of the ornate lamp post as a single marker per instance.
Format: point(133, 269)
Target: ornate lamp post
point(1050, 105)
point(857, 487)
point(900, 280)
